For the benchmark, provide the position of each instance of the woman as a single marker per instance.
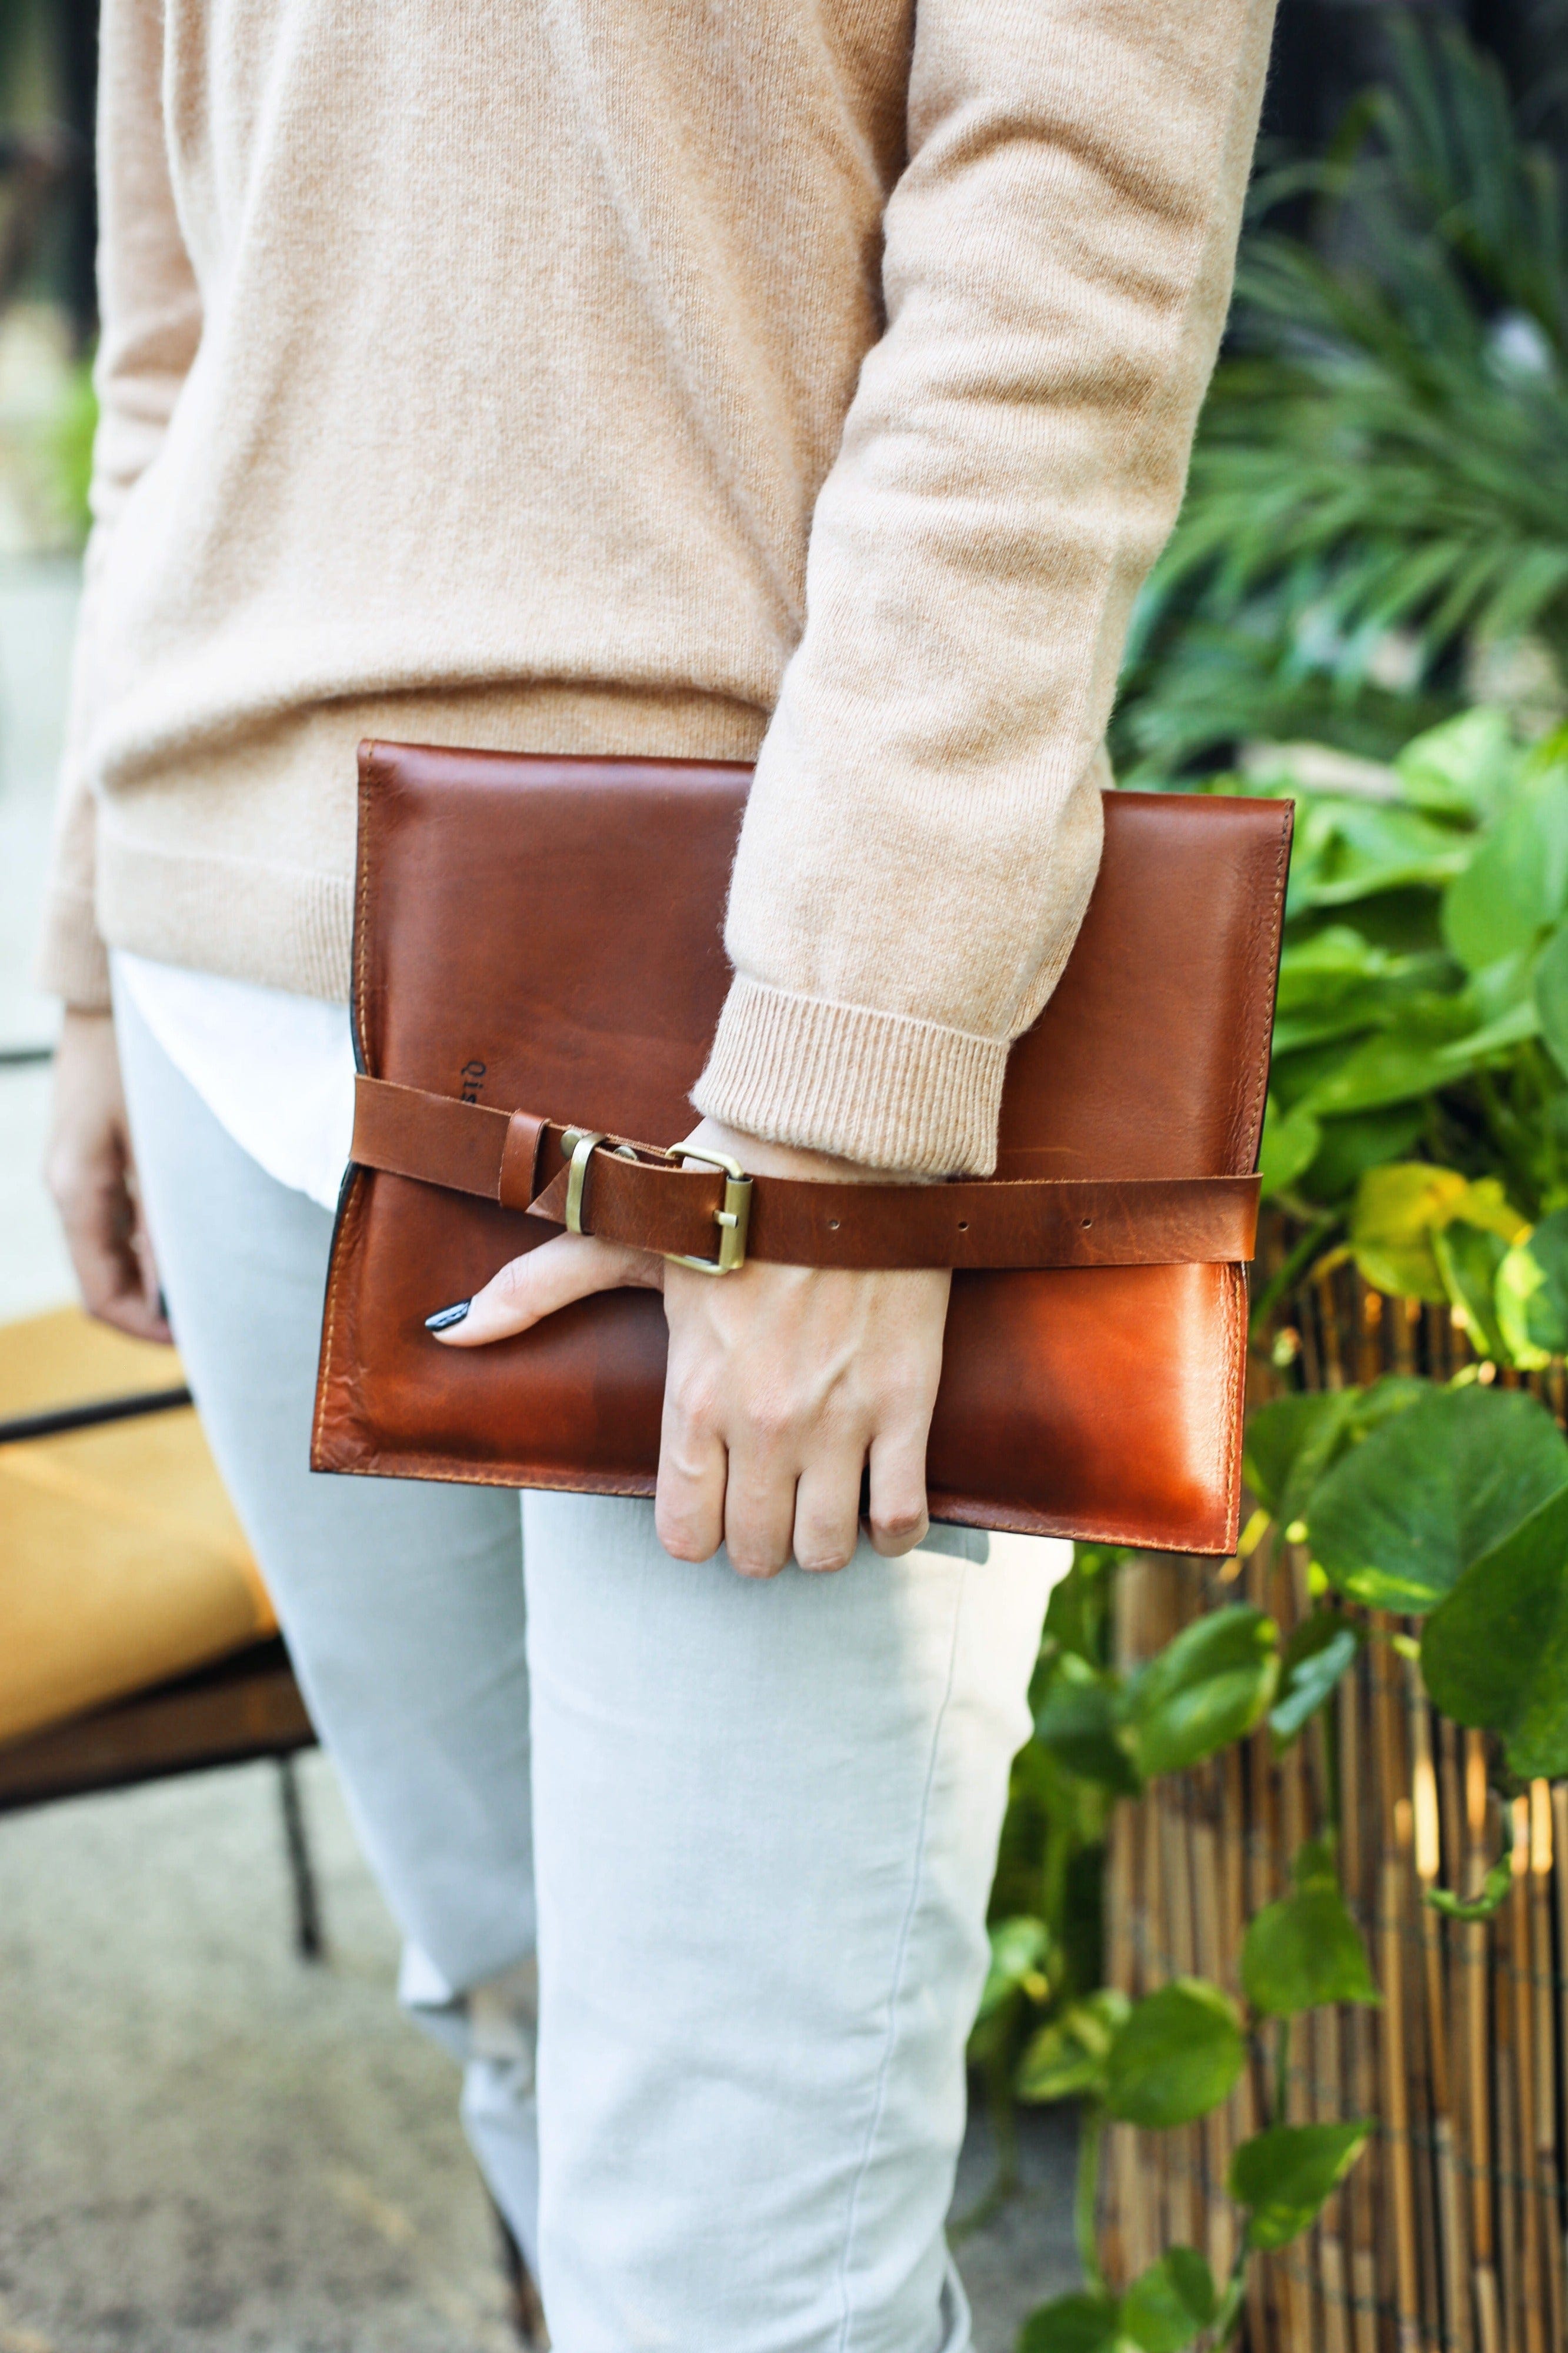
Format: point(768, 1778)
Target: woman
point(810, 383)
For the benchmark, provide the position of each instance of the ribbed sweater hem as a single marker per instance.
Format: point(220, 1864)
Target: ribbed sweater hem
point(72, 961)
point(181, 873)
point(280, 926)
point(882, 1088)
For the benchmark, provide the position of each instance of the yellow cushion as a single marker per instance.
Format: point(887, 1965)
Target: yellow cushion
point(121, 1561)
point(65, 1359)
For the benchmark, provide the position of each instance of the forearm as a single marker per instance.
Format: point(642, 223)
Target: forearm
point(924, 828)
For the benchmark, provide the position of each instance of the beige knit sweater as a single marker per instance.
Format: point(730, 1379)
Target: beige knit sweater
point(811, 379)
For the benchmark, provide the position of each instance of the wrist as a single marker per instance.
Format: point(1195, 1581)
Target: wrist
point(759, 1156)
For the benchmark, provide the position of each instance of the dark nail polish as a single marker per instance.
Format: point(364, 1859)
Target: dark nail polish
point(444, 1317)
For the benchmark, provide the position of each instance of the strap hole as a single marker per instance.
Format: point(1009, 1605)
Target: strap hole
point(1088, 1221)
point(833, 1225)
point(963, 1225)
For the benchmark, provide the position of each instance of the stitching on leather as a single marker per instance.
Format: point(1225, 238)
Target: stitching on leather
point(447, 1470)
point(1236, 1352)
point(329, 1376)
point(1260, 1075)
point(362, 920)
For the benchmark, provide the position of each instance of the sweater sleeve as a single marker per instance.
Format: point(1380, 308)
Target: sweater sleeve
point(151, 315)
point(924, 828)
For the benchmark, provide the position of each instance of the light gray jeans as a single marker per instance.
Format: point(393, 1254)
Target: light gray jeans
point(692, 1871)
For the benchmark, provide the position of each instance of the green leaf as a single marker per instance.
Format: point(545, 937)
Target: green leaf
point(1492, 1038)
point(1077, 1722)
point(1495, 1656)
point(1318, 1654)
point(1209, 1684)
point(1305, 1951)
point(1066, 2059)
point(1392, 1392)
point(1552, 996)
point(1284, 2176)
point(1177, 2056)
point(1351, 1146)
point(1291, 1442)
point(1394, 1211)
point(1469, 1261)
point(1290, 1140)
point(1491, 1899)
point(1167, 2306)
point(1462, 768)
point(1072, 2324)
point(1397, 1211)
point(1397, 1521)
point(1533, 1293)
point(1314, 1866)
point(1517, 882)
point(1338, 983)
point(1391, 1068)
point(1018, 1951)
point(1328, 964)
point(1364, 847)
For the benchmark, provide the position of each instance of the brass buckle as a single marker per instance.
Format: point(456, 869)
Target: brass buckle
point(732, 1221)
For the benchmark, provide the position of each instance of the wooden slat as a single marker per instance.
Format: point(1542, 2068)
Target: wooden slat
point(249, 1707)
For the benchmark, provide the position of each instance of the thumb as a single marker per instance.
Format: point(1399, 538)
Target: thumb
point(570, 1267)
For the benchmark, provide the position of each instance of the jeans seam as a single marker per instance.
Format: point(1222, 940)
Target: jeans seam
point(906, 1930)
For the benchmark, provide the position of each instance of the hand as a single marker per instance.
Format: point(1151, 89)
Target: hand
point(89, 1169)
point(783, 1381)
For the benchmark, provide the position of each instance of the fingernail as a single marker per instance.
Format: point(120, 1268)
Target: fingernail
point(444, 1317)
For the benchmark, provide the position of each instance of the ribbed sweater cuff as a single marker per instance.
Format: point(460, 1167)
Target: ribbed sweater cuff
point(875, 1087)
point(72, 961)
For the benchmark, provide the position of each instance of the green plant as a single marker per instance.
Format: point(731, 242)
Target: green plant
point(1421, 1011)
point(1418, 1115)
point(1173, 2056)
point(1378, 497)
point(1448, 1505)
point(1380, 485)
point(1045, 1900)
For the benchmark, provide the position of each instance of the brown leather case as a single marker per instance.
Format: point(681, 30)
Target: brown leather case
point(543, 935)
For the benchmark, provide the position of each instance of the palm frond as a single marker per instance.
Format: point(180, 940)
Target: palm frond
point(1385, 450)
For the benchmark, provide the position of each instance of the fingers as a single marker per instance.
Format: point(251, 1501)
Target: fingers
point(782, 1381)
point(153, 1315)
point(117, 1286)
point(898, 1517)
point(570, 1267)
point(827, 1508)
point(89, 1172)
point(759, 1506)
point(108, 1250)
point(694, 1466)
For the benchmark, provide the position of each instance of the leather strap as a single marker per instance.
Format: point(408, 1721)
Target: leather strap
point(650, 1202)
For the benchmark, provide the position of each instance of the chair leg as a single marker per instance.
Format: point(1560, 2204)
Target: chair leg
point(308, 1941)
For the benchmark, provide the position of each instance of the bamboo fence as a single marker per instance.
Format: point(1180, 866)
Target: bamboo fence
point(1450, 2230)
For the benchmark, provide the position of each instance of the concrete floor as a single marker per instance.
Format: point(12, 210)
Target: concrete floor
point(206, 2145)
